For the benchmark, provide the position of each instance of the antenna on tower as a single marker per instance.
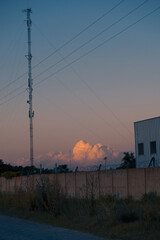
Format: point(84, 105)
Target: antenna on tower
point(30, 82)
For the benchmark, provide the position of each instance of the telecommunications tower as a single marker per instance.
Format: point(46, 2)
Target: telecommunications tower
point(30, 83)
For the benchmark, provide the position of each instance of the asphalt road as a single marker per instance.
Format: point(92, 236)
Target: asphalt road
point(19, 229)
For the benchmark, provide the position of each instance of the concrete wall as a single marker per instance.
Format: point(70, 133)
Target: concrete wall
point(153, 180)
point(137, 182)
point(120, 183)
point(106, 182)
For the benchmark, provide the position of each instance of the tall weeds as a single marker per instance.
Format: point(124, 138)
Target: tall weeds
point(105, 216)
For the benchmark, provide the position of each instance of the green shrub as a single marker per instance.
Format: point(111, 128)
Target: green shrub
point(47, 197)
point(150, 197)
point(125, 213)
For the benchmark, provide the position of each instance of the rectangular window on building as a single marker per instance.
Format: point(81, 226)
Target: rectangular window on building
point(153, 147)
point(141, 149)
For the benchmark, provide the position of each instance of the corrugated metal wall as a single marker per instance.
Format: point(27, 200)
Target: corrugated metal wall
point(145, 132)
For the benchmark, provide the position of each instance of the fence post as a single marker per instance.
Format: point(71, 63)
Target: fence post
point(112, 183)
point(127, 184)
point(74, 184)
point(86, 186)
point(99, 186)
point(65, 185)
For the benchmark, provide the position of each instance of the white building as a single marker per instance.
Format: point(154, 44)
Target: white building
point(147, 143)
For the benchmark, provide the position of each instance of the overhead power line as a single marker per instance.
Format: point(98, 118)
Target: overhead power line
point(66, 43)
point(93, 110)
point(99, 45)
point(14, 90)
point(88, 86)
point(90, 51)
point(13, 82)
point(10, 99)
point(115, 35)
point(106, 41)
point(82, 100)
point(90, 40)
point(77, 35)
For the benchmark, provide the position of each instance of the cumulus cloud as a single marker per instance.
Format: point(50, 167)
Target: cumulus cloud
point(88, 154)
point(83, 154)
point(51, 158)
point(22, 162)
point(47, 160)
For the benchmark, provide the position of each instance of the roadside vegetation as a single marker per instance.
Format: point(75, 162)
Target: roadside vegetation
point(8, 171)
point(107, 216)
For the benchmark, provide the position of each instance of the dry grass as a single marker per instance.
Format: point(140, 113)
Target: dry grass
point(107, 216)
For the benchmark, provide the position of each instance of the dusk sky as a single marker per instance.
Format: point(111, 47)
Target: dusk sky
point(98, 71)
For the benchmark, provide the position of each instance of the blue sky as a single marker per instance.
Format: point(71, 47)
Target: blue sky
point(97, 98)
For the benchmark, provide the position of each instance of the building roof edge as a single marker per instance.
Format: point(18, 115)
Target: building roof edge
point(147, 119)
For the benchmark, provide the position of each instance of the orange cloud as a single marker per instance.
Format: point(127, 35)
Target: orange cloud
point(86, 153)
point(83, 154)
point(22, 162)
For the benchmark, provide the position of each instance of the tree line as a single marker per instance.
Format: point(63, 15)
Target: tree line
point(8, 171)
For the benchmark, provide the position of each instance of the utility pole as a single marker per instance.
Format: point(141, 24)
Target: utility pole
point(30, 83)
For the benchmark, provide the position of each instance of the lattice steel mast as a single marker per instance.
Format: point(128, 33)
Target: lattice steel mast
point(30, 83)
